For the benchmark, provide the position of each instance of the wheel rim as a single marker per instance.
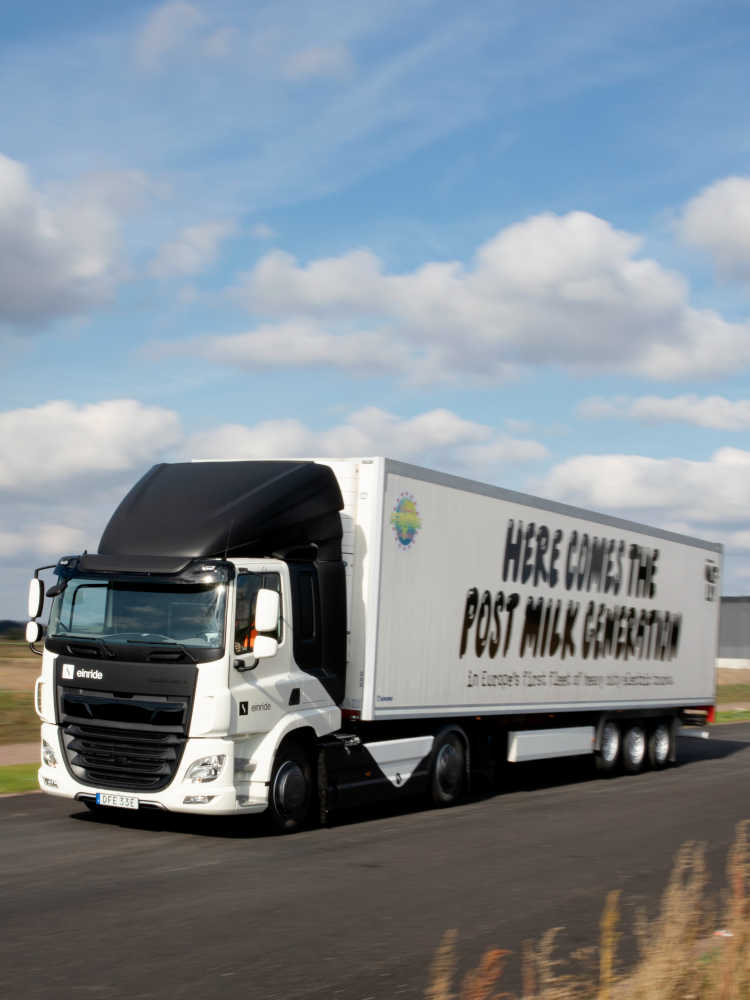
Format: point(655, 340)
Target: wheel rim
point(661, 744)
point(448, 767)
point(610, 743)
point(290, 790)
point(635, 745)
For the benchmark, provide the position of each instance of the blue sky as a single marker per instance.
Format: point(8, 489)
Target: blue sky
point(510, 241)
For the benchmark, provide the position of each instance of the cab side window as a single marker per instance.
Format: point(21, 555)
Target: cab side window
point(248, 585)
point(306, 604)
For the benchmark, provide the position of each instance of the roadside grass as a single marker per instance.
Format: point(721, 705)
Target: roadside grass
point(732, 692)
point(686, 951)
point(18, 720)
point(733, 715)
point(14, 648)
point(18, 778)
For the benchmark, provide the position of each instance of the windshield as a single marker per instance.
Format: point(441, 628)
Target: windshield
point(189, 614)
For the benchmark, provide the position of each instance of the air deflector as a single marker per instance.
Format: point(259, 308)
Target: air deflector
point(202, 509)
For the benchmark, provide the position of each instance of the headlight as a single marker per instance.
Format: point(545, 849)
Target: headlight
point(48, 755)
point(206, 768)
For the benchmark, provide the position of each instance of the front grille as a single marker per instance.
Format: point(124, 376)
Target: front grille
point(128, 743)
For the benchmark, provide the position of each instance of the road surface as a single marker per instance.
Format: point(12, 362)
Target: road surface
point(178, 908)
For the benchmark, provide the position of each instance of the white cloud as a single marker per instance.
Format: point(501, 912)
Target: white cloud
point(294, 343)
point(702, 499)
point(167, 28)
point(59, 253)
point(81, 461)
point(194, 250)
point(712, 492)
point(61, 443)
point(437, 438)
point(568, 291)
point(715, 412)
point(220, 42)
point(319, 61)
point(43, 539)
point(738, 540)
point(260, 231)
point(718, 219)
point(63, 470)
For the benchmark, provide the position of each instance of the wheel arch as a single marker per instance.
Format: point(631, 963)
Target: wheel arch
point(307, 727)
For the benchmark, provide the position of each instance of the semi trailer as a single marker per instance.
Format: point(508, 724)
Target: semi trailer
point(287, 637)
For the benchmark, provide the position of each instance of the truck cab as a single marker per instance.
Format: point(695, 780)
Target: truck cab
point(172, 681)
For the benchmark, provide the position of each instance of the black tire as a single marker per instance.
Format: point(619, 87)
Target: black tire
point(448, 776)
point(634, 749)
point(660, 745)
point(607, 757)
point(290, 793)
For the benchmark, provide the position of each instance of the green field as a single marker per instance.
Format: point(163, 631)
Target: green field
point(733, 715)
point(18, 778)
point(18, 720)
point(727, 693)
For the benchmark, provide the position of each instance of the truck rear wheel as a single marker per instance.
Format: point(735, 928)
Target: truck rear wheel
point(448, 770)
point(290, 790)
point(633, 749)
point(608, 756)
point(660, 745)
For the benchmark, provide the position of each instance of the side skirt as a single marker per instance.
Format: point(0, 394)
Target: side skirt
point(352, 773)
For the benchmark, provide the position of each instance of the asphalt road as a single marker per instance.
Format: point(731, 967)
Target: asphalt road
point(179, 908)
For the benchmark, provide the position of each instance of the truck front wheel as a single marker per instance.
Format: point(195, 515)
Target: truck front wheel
point(448, 770)
point(290, 790)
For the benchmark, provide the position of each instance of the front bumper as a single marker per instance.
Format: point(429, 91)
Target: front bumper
point(233, 792)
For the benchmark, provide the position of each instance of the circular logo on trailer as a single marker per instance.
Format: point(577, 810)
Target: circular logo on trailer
point(405, 520)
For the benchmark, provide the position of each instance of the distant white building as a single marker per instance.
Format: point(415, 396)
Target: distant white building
point(734, 633)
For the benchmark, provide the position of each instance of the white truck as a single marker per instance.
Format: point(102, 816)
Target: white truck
point(290, 636)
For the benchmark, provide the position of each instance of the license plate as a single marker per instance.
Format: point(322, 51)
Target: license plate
point(118, 801)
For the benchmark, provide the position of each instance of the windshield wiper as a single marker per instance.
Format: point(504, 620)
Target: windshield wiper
point(147, 639)
point(88, 638)
point(178, 648)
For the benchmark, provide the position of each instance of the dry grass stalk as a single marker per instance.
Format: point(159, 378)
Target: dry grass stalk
point(680, 959)
point(528, 971)
point(608, 944)
point(733, 973)
point(478, 984)
point(443, 968)
point(670, 944)
point(541, 978)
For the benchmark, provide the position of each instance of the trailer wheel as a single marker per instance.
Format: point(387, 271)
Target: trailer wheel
point(448, 770)
point(608, 756)
point(660, 745)
point(633, 749)
point(290, 790)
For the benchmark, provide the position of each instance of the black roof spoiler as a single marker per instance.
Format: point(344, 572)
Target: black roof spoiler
point(188, 510)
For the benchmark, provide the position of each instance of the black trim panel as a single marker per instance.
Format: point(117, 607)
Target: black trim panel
point(124, 726)
point(116, 675)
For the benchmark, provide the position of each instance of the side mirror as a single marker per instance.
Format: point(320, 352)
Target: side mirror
point(36, 598)
point(265, 646)
point(266, 613)
point(34, 632)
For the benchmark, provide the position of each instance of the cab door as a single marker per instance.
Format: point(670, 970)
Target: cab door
point(261, 688)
